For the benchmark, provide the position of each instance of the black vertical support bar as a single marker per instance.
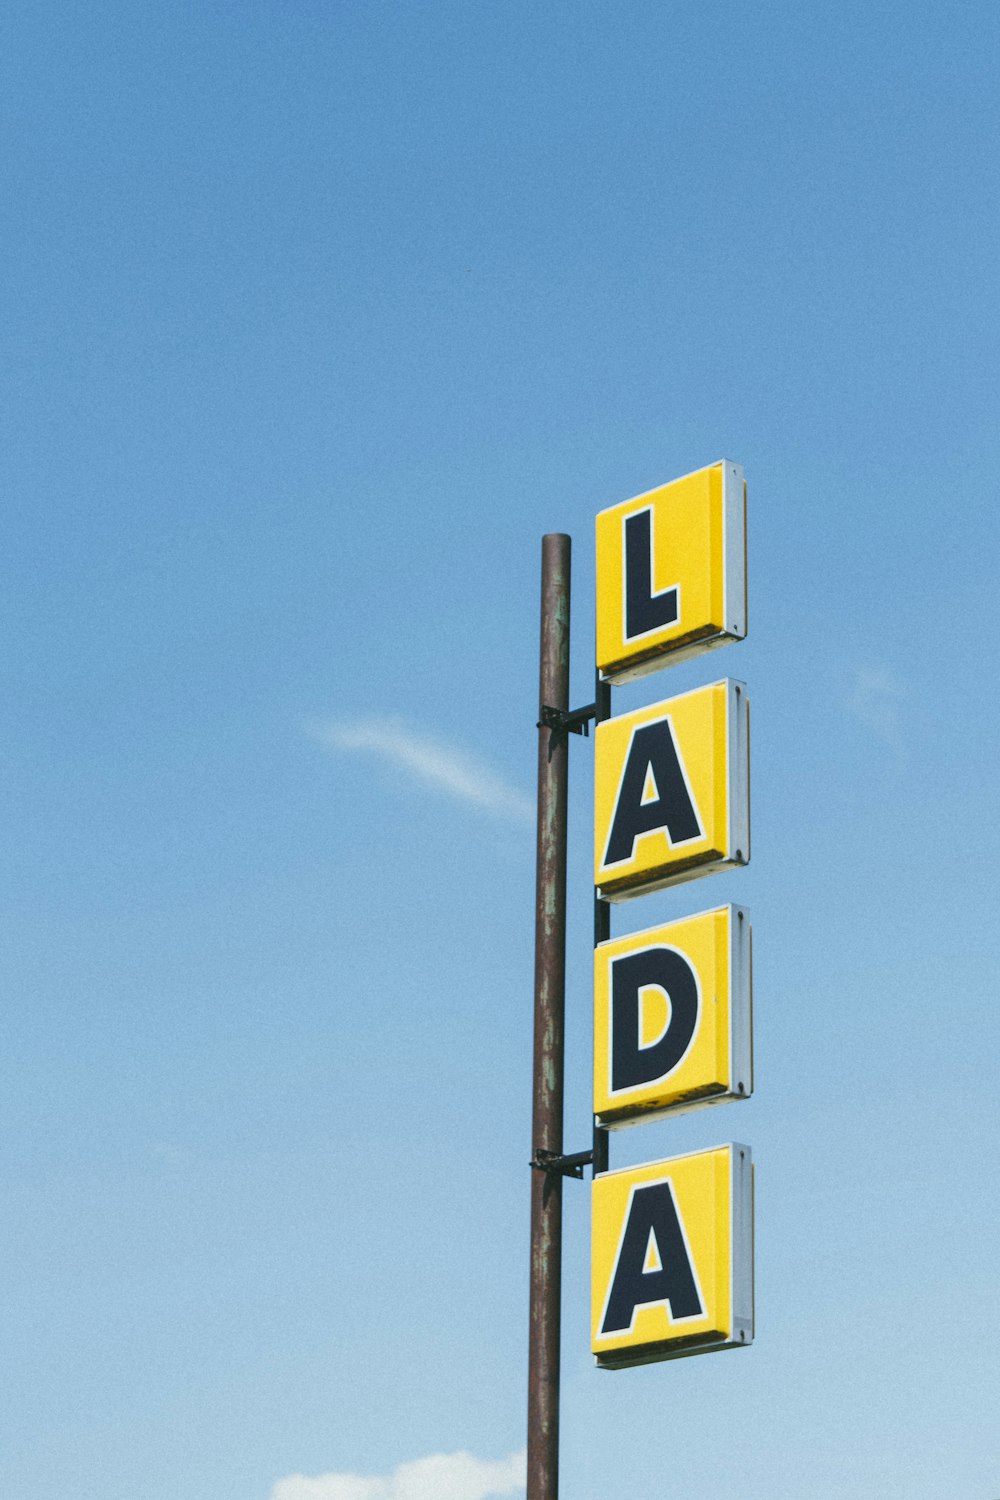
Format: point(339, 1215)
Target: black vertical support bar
point(602, 915)
point(550, 988)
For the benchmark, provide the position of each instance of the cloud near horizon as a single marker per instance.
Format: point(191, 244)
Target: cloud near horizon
point(441, 1476)
point(419, 755)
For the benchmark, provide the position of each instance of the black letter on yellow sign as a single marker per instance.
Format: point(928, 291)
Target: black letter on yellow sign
point(644, 610)
point(653, 795)
point(653, 1263)
point(665, 969)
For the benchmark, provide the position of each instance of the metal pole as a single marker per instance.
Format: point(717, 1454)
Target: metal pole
point(550, 987)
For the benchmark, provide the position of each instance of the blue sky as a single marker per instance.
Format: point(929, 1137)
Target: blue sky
point(316, 317)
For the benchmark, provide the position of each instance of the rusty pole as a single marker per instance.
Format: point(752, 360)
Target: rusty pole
point(550, 985)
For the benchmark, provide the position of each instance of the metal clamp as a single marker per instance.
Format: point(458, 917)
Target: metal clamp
point(561, 1166)
point(567, 721)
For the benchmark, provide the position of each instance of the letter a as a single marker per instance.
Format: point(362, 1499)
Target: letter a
point(653, 765)
point(653, 1265)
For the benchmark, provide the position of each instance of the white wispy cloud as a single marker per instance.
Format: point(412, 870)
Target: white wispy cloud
point(442, 1476)
point(875, 698)
point(446, 768)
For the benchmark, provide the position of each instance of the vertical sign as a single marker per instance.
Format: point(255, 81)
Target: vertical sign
point(672, 791)
point(672, 1241)
point(672, 1018)
point(671, 573)
point(672, 1258)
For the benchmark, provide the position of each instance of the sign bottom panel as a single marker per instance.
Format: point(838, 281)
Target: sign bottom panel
point(672, 1258)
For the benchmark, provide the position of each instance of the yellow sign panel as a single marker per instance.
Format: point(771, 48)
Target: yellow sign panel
point(672, 1258)
point(671, 791)
point(672, 1018)
point(671, 572)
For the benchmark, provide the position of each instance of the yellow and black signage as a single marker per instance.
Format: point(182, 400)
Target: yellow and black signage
point(672, 1258)
point(672, 1241)
point(671, 572)
point(671, 791)
point(672, 1018)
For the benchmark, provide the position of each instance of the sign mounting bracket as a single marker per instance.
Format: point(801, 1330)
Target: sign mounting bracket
point(561, 1166)
point(567, 721)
